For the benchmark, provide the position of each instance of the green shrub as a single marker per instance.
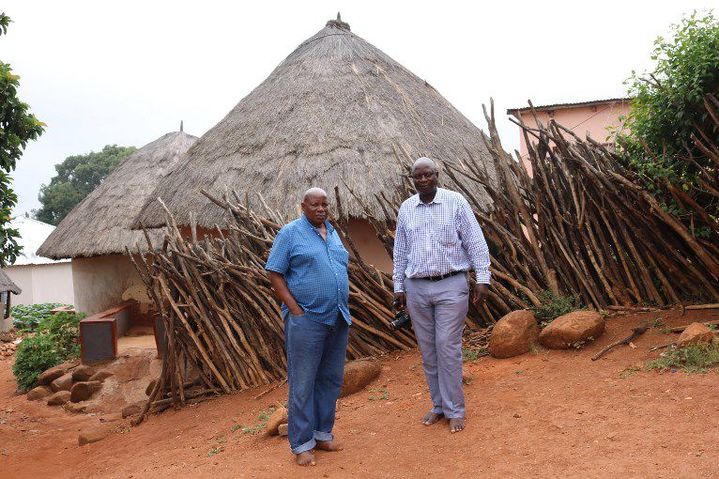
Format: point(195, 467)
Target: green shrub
point(554, 305)
point(668, 108)
point(26, 317)
point(64, 329)
point(695, 358)
point(34, 355)
point(56, 339)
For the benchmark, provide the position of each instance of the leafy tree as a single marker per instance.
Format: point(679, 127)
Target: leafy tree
point(76, 177)
point(17, 127)
point(668, 107)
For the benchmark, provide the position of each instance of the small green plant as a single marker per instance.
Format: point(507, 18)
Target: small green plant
point(56, 339)
point(235, 427)
point(64, 329)
point(694, 358)
point(472, 354)
point(215, 450)
point(383, 394)
point(554, 305)
point(34, 355)
point(262, 417)
point(629, 371)
point(26, 317)
point(660, 325)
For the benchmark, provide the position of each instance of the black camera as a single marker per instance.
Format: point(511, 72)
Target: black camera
point(401, 318)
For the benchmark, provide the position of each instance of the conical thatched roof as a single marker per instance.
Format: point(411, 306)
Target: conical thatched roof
point(335, 110)
point(100, 224)
point(6, 284)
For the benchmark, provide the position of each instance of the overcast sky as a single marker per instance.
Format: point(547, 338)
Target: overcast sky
point(101, 72)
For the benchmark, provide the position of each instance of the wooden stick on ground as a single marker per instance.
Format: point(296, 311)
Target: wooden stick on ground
point(636, 332)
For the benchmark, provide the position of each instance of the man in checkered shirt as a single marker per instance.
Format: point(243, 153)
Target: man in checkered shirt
point(438, 241)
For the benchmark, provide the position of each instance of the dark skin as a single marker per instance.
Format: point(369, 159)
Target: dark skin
point(425, 178)
point(316, 208)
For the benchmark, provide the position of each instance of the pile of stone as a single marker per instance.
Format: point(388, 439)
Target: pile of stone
point(7, 350)
point(8, 344)
point(68, 384)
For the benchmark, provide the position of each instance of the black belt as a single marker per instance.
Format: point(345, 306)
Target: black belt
point(442, 276)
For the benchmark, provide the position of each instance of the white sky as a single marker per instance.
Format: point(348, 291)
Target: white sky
point(126, 72)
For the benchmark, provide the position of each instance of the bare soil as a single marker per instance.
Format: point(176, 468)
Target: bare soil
point(543, 414)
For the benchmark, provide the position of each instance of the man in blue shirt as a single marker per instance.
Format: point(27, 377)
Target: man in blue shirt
point(308, 272)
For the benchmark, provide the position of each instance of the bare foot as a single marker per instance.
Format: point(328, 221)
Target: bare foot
point(306, 459)
point(331, 446)
point(431, 418)
point(456, 424)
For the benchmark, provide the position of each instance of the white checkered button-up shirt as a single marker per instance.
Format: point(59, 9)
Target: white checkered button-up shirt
point(438, 238)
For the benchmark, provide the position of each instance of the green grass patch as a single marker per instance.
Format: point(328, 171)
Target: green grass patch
point(262, 419)
point(695, 358)
point(381, 394)
point(472, 354)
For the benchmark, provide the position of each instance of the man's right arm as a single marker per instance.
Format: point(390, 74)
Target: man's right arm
point(399, 255)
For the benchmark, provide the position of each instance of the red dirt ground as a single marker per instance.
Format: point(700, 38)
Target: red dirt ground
point(547, 414)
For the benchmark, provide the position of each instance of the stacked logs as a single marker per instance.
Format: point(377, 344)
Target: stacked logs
point(224, 325)
point(580, 225)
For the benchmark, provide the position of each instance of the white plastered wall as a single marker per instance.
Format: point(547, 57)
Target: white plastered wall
point(42, 283)
point(101, 281)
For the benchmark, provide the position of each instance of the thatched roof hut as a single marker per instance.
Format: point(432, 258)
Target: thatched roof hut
point(336, 110)
point(6, 284)
point(100, 224)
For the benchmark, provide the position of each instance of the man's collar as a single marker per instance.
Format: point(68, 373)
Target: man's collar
point(438, 198)
point(307, 222)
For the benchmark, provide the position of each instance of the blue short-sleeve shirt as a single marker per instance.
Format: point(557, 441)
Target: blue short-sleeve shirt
point(315, 270)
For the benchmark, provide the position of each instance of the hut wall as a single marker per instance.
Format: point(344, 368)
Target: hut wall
point(42, 283)
point(370, 247)
point(101, 281)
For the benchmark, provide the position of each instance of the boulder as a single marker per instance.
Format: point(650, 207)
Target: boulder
point(46, 377)
point(59, 398)
point(38, 393)
point(94, 434)
point(572, 329)
point(278, 417)
point(695, 333)
point(101, 375)
point(82, 373)
point(282, 430)
point(132, 409)
point(359, 374)
point(63, 383)
point(513, 334)
point(83, 391)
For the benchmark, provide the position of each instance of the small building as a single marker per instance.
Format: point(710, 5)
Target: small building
point(42, 280)
point(6, 287)
point(96, 233)
point(599, 119)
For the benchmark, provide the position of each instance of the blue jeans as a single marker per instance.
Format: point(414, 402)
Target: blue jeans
point(316, 355)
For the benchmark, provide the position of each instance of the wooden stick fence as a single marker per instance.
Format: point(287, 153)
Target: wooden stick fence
point(580, 225)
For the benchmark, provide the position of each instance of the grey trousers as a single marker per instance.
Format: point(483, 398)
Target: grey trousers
point(438, 310)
